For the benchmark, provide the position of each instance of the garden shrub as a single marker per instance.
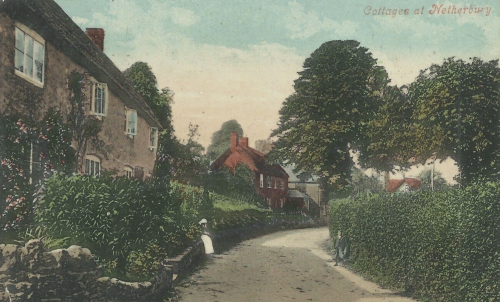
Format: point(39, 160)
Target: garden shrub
point(443, 246)
point(112, 217)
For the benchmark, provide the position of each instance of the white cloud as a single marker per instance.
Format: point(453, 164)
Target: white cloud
point(303, 25)
point(183, 17)
point(80, 21)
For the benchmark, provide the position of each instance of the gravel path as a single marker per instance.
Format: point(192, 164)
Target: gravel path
point(284, 266)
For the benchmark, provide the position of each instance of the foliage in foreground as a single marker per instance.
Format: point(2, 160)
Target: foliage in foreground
point(442, 246)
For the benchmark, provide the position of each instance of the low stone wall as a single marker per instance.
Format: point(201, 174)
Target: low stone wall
point(30, 273)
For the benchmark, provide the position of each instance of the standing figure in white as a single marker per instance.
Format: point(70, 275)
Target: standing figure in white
point(206, 237)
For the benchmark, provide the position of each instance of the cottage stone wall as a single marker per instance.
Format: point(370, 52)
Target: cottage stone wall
point(19, 95)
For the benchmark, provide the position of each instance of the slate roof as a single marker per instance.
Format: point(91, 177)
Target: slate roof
point(50, 21)
point(394, 184)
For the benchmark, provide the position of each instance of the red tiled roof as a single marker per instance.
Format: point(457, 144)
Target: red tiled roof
point(253, 159)
point(394, 184)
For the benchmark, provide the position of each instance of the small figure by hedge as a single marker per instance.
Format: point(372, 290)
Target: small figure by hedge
point(340, 249)
point(206, 237)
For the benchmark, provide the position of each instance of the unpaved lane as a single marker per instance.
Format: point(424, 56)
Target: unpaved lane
point(285, 266)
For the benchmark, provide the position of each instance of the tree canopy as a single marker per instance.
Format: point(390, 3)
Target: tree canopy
point(458, 102)
point(336, 95)
point(221, 139)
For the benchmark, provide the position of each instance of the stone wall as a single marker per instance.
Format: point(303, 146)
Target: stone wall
point(30, 273)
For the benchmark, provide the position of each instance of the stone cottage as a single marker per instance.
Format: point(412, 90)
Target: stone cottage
point(40, 46)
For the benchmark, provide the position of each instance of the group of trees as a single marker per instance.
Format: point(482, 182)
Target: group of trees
point(343, 102)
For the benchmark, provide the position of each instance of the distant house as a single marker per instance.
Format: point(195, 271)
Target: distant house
point(40, 46)
point(403, 185)
point(271, 180)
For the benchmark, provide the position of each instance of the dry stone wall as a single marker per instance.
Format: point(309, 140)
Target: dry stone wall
point(31, 273)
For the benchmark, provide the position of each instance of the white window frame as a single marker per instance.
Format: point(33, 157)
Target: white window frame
point(269, 182)
point(93, 109)
point(129, 172)
point(282, 184)
point(275, 182)
point(36, 39)
point(262, 180)
point(153, 146)
point(129, 113)
point(282, 200)
point(93, 163)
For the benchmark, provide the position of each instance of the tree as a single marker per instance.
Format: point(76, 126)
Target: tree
point(363, 184)
point(190, 165)
point(221, 139)
point(335, 96)
point(459, 103)
point(437, 183)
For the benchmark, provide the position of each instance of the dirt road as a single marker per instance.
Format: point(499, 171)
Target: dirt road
point(284, 266)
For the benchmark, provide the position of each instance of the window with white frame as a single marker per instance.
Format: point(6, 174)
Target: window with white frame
point(282, 202)
point(276, 182)
point(131, 122)
point(261, 180)
point(92, 165)
point(129, 172)
point(153, 138)
point(282, 184)
point(99, 98)
point(269, 182)
point(30, 55)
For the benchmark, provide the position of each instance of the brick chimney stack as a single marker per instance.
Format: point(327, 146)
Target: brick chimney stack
point(234, 141)
point(97, 36)
point(244, 142)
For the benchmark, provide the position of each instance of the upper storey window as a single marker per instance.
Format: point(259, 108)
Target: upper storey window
point(30, 55)
point(99, 102)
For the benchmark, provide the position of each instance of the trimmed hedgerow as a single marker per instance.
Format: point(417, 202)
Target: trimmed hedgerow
point(441, 246)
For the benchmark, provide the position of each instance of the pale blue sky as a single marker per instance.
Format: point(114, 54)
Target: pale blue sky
point(238, 59)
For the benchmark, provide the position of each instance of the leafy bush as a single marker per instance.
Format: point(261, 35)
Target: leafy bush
point(444, 246)
point(112, 217)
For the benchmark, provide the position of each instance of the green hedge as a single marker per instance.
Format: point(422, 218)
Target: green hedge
point(440, 246)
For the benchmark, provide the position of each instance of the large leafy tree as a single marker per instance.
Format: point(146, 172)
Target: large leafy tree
point(335, 96)
point(459, 103)
point(221, 139)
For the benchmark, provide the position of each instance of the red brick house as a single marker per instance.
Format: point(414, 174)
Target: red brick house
point(271, 180)
point(40, 46)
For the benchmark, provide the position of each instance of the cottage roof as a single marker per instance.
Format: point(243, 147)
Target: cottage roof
point(255, 160)
point(394, 184)
point(50, 21)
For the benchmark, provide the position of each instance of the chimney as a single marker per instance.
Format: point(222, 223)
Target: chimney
point(97, 36)
point(244, 142)
point(234, 141)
